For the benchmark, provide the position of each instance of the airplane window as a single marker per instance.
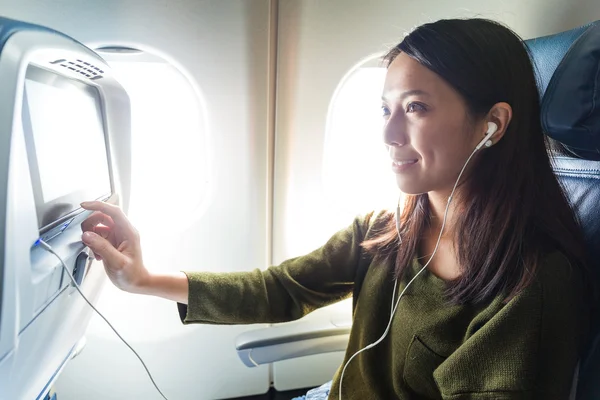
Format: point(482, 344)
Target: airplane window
point(170, 160)
point(357, 170)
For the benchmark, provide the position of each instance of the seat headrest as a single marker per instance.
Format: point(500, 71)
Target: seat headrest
point(9, 26)
point(568, 69)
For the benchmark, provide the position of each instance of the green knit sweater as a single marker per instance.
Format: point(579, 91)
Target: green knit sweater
point(524, 349)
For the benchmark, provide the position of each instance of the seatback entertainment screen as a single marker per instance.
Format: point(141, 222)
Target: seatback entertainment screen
point(66, 144)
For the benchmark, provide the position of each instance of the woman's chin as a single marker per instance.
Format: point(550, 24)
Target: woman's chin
point(406, 188)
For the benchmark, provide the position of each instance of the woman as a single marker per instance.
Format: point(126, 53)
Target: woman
point(495, 308)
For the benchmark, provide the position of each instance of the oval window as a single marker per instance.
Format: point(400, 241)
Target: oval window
point(170, 153)
point(357, 169)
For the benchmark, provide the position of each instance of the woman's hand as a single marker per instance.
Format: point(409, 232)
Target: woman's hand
point(112, 238)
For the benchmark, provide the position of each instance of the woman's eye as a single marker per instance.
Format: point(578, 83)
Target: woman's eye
point(385, 111)
point(415, 107)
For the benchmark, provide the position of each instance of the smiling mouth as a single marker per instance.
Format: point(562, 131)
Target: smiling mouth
point(404, 162)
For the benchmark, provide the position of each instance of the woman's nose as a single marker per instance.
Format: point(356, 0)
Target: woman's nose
point(394, 133)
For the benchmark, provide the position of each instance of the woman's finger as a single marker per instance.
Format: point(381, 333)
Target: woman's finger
point(103, 248)
point(103, 231)
point(112, 211)
point(95, 219)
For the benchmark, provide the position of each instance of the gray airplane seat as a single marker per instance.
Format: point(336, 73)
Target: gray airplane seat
point(65, 137)
point(568, 68)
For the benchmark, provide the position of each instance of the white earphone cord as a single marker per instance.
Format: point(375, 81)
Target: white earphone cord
point(387, 329)
point(48, 248)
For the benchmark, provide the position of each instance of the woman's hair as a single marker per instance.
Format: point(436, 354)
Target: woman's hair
point(511, 210)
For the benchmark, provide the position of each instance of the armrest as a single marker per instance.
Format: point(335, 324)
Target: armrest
point(291, 340)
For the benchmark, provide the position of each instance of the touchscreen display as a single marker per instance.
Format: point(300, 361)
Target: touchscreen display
point(67, 148)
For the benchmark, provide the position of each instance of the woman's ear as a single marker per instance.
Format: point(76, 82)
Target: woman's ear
point(500, 114)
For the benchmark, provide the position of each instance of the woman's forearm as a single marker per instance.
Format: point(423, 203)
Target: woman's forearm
point(171, 286)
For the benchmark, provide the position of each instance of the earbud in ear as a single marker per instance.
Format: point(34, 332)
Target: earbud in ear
point(492, 128)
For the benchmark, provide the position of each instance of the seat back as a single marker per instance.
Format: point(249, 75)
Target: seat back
point(568, 69)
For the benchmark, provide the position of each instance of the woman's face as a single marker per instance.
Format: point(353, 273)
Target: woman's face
point(427, 129)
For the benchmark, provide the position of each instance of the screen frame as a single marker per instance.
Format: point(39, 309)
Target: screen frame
point(57, 211)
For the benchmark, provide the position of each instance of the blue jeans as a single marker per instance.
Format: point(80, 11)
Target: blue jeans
point(320, 393)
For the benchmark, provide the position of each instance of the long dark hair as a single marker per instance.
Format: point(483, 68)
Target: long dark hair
point(511, 210)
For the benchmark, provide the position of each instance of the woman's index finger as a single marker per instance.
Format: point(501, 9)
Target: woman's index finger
point(112, 211)
point(97, 217)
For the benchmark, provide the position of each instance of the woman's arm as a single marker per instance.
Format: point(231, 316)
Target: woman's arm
point(282, 293)
point(173, 286)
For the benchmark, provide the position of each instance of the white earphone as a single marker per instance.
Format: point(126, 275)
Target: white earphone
point(492, 128)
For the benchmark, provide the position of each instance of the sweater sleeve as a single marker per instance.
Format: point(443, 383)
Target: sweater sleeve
point(280, 293)
point(527, 350)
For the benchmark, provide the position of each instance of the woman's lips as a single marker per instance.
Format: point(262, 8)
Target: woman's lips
point(402, 165)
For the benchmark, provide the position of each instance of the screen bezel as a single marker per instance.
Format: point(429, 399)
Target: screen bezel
point(53, 213)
